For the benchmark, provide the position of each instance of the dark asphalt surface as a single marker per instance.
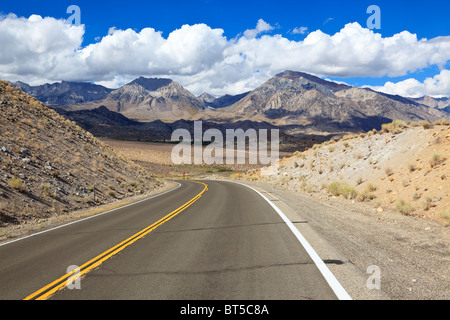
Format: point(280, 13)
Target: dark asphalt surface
point(230, 244)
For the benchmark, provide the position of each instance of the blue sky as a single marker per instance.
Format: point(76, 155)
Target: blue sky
point(428, 19)
point(291, 20)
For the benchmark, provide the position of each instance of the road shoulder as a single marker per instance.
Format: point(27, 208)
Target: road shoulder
point(411, 254)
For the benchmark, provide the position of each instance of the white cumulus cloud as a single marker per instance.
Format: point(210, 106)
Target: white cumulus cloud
point(37, 50)
point(437, 86)
point(261, 27)
point(300, 30)
point(33, 47)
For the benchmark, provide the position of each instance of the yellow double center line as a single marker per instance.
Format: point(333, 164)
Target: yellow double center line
point(60, 283)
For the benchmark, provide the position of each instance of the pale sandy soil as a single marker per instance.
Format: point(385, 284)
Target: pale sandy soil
point(407, 171)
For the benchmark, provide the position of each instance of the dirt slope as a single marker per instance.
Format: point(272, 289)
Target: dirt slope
point(404, 168)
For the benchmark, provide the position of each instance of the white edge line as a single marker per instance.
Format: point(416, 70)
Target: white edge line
point(335, 285)
point(90, 217)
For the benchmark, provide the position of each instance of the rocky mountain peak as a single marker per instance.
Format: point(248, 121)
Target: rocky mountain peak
point(152, 84)
point(298, 98)
point(308, 81)
point(206, 97)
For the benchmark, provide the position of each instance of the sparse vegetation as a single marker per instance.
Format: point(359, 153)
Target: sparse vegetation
point(17, 184)
point(389, 172)
point(405, 207)
point(427, 204)
point(441, 122)
point(235, 176)
point(111, 193)
point(404, 174)
point(342, 189)
point(437, 159)
point(446, 216)
point(405, 182)
point(396, 126)
point(416, 196)
point(47, 190)
point(425, 124)
point(365, 196)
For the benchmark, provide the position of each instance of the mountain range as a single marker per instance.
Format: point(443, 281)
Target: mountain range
point(295, 98)
point(288, 99)
point(65, 93)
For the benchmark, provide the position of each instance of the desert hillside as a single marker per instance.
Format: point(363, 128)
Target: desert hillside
point(402, 167)
point(50, 166)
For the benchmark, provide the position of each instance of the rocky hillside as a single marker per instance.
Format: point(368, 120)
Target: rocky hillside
point(402, 167)
point(439, 103)
point(50, 166)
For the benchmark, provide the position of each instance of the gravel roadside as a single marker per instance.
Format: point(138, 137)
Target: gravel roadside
point(412, 255)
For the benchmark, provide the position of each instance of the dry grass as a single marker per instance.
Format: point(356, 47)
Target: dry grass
point(389, 172)
point(17, 184)
point(427, 204)
point(441, 122)
point(396, 126)
point(47, 190)
point(445, 215)
point(437, 159)
point(405, 207)
point(342, 189)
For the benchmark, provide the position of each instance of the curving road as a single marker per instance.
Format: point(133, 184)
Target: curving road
point(203, 240)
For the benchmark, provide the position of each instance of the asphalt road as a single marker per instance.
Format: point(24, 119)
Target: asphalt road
point(221, 242)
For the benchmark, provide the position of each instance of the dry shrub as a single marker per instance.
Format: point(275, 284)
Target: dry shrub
point(389, 172)
point(437, 159)
point(342, 189)
point(405, 207)
point(441, 122)
point(395, 126)
point(17, 184)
